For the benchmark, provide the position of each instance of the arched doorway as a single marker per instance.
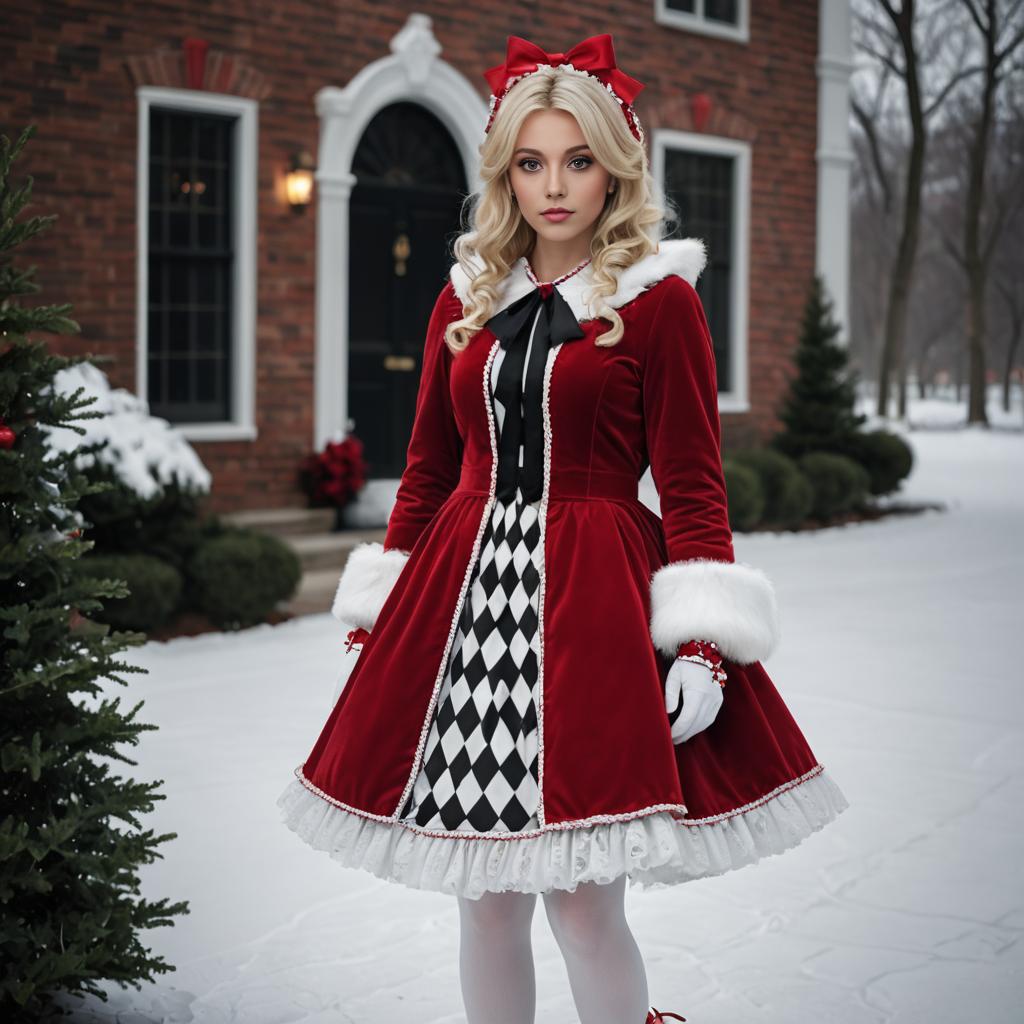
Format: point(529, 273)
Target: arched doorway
point(403, 216)
point(413, 73)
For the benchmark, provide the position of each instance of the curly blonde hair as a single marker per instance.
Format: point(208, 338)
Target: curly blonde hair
point(627, 230)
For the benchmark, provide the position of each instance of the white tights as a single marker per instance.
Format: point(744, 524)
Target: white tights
point(605, 968)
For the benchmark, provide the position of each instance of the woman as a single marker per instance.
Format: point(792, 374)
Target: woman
point(538, 704)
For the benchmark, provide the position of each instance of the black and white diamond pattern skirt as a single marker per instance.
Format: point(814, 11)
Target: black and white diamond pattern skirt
point(479, 769)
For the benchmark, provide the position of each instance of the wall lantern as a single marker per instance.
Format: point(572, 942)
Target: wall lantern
point(299, 182)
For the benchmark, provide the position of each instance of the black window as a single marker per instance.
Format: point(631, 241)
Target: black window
point(725, 12)
point(191, 263)
point(701, 186)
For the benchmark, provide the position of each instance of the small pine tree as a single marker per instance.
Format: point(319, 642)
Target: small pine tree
point(818, 411)
point(69, 890)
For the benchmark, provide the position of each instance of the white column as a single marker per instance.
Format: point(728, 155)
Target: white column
point(331, 365)
point(834, 155)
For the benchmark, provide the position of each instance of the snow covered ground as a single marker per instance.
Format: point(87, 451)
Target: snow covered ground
point(897, 661)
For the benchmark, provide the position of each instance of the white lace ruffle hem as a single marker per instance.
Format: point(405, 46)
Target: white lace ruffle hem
point(655, 850)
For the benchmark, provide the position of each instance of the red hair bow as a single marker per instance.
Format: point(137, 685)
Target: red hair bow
point(595, 56)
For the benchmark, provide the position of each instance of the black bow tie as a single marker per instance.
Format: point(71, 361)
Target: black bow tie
point(556, 323)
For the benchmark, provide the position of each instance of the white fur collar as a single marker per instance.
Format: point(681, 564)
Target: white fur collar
point(685, 257)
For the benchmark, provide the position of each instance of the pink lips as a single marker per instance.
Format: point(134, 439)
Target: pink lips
point(560, 215)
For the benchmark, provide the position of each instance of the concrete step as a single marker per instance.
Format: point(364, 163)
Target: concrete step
point(323, 557)
point(315, 593)
point(329, 550)
point(284, 522)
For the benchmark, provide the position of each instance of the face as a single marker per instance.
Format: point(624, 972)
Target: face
point(553, 166)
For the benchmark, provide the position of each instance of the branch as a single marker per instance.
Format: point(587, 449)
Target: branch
point(867, 124)
point(883, 58)
point(950, 85)
point(975, 16)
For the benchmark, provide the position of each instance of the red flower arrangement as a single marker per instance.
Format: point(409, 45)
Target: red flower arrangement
point(335, 475)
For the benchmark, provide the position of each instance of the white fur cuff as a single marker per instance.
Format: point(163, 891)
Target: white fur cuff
point(365, 583)
point(703, 599)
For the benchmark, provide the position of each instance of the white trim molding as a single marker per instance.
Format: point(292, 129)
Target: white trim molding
point(413, 73)
point(697, 21)
point(835, 157)
point(242, 425)
point(734, 397)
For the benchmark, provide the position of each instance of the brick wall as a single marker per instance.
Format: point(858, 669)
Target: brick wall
point(72, 68)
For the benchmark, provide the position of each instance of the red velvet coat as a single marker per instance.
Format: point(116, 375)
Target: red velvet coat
point(621, 587)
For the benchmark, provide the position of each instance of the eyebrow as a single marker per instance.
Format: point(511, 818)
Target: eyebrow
point(571, 149)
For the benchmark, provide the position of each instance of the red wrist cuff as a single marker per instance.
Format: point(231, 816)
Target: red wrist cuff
point(705, 652)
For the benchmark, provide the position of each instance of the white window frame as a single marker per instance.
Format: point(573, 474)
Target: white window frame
point(244, 192)
point(736, 397)
point(697, 22)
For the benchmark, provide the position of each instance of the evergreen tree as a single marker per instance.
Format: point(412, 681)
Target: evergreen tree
point(818, 411)
point(70, 907)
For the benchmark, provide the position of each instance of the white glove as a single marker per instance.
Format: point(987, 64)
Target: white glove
point(692, 698)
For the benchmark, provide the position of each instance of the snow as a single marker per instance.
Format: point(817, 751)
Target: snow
point(145, 451)
point(897, 661)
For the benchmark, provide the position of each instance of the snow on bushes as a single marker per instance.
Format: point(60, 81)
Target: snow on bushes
point(145, 452)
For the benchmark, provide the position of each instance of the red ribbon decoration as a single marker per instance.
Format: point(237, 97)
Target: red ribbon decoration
point(356, 636)
point(595, 55)
point(658, 1016)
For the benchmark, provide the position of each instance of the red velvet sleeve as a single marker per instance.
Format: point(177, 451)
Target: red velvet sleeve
point(433, 458)
point(683, 430)
point(702, 592)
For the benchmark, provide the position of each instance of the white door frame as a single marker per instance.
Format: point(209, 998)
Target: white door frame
point(415, 73)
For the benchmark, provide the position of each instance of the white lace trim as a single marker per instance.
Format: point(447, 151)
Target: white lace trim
point(654, 850)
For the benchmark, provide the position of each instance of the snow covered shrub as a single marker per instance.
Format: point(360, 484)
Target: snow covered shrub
point(166, 525)
point(157, 480)
point(886, 456)
point(746, 495)
point(146, 452)
point(237, 576)
point(788, 496)
point(839, 483)
point(154, 589)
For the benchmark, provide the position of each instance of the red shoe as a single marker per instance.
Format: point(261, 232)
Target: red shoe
point(658, 1016)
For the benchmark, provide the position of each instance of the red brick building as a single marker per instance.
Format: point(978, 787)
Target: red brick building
point(164, 143)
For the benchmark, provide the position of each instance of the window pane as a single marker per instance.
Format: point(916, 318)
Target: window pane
point(722, 10)
point(701, 185)
point(191, 262)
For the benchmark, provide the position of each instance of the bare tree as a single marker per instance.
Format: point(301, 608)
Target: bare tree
point(1015, 314)
point(948, 211)
point(999, 46)
point(1008, 259)
point(889, 37)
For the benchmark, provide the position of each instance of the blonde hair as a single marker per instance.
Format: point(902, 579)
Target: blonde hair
point(626, 231)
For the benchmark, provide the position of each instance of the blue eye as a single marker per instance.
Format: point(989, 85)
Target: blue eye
point(530, 160)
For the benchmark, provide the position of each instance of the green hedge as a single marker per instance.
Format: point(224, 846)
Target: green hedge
point(119, 521)
point(788, 495)
point(887, 458)
point(746, 495)
point(237, 576)
point(839, 483)
point(154, 589)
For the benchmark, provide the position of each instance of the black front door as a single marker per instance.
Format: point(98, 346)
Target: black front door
point(404, 216)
